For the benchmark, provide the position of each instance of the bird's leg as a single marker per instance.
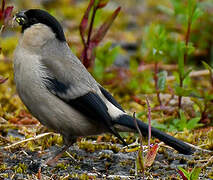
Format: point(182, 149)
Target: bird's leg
point(58, 153)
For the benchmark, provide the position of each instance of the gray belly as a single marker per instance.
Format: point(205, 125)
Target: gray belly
point(52, 111)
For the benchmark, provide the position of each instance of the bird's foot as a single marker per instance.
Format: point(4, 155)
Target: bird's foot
point(53, 157)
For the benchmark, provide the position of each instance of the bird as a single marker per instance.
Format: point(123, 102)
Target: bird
point(59, 91)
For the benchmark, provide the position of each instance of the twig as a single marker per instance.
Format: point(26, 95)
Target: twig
point(199, 149)
point(3, 139)
point(208, 162)
point(119, 177)
point(71, 157)
point(1, 30)
point(139, 131)
point(110, 176)
point(29, 139)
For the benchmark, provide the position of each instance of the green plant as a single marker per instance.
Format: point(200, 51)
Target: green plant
point(187, 14)
point(193, 175)
point(94, 38)
point(155, 40)
point(182, 123)
point(105, 56)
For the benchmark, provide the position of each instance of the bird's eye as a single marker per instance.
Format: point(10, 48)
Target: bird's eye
point(20, 20)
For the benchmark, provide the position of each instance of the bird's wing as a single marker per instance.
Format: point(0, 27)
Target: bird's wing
point(110, 98)
point(71, 82)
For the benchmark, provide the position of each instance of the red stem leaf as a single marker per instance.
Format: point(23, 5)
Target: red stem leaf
point(150, 156)
point(88, 56)
point(84, 21)
point(7, 13)
point(182, 175)
point(2, 80)
point(101, 32)
point(102, 3)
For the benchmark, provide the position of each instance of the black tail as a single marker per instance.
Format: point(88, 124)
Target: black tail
point(179, 145)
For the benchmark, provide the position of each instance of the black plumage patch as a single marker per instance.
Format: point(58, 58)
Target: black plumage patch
point(110, 98)
point(128, 121)
point(35, 16)
point(55, 86)
point(90, 104)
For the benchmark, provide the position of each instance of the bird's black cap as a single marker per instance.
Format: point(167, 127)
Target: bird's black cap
point(34, 16)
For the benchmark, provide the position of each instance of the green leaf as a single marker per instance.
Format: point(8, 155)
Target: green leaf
point(98, 36)
point(180, 91)
point(193, 123)
point(208, 96)
point(186, 174)
point(162, 80)
point(98, 70)
point(195, 173)
point(140, 161)
point(198, 13)
point(190, 48)
point(140, 114)
point(199, 103)
point(191, 7)
point(187, 73)
point(166, 10)
point(178, 6)
point(208, 67)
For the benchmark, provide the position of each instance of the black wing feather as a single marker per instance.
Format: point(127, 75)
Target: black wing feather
point(110, 98)
point(90, 104)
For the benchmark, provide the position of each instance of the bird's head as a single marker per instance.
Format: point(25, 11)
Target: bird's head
point(35, 17)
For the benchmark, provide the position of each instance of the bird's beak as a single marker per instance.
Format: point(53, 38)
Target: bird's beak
point(20, 18)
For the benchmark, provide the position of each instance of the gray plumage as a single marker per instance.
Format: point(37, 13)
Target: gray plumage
point(59, 91)
point(34, 64)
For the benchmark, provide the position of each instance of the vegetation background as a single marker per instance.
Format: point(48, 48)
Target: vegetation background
point(146, 52)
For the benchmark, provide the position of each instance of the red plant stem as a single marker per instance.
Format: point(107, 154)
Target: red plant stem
point(87, 62)
point(187, 38)
point(139, 131)
point(203, 114)
point(2, 6)
point(149, 118)
point(91, 25)
point(156, 82)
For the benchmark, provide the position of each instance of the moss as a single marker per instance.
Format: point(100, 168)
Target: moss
point(81, 176)
point(91, 147)
point(62, 166)
point(3, 167)
point(20, 168)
